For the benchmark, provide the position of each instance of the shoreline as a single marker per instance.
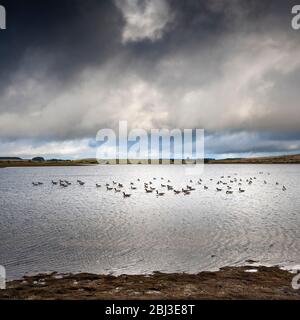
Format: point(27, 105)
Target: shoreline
point(285, 159)
point(45, 165)
point(247, 282)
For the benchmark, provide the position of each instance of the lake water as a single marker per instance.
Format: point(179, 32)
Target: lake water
point(88, 229)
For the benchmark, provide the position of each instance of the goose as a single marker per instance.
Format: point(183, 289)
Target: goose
point(131, 183)
point(154, 178)
point(177, 191)
point(114, 182)
point(170, 187)
point(98, 185)
point(185, 191)
point(169, 181)
point(107, 184)
point(126, 195)
point(62, 184)
point(120, 185)
point(205, 188)
point(160, 194)
point(190, 188)
point(277, 183)
point(152, 188)
point(265, 182)
point(148, 190)
point(82, 183)
point(241, 190)
point(219, 189)
point(54, 183)
point(138, 180)
point(35, 184)
point(109, 188)
point(133, 188)
point(40, 183)
point(163, 185)
point(229, 192)
point(283, 188)
point(116, 190)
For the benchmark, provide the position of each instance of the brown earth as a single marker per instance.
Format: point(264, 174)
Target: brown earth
point(228, 283)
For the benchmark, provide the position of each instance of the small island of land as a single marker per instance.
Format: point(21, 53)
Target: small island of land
point(246, 282)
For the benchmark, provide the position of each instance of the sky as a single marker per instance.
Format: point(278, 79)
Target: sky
point(72, 67)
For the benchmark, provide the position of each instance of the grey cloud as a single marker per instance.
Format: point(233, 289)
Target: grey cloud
point(245, 142)
point(144, 19)
point(74, 67)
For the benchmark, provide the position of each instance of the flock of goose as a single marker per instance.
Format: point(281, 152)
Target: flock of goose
point(223, 184)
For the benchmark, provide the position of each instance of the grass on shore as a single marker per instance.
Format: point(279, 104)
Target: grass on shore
point(228, 283)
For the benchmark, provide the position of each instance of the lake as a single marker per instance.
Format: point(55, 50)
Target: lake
point(87, 229)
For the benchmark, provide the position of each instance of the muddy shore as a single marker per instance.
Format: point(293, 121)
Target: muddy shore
point(228, 283)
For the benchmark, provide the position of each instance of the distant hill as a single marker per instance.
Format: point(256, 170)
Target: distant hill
point(10, 159)
point(295, 158)
point(38, 159)
point(18, 162)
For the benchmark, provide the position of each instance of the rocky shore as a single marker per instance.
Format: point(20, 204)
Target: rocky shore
point(228, 283)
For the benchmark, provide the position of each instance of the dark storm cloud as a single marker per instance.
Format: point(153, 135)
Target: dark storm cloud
point(72, 67)
point(76, 33)
point(242, 142)
point(63, 35)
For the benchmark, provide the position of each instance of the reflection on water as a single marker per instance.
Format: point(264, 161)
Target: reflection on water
point(84, 228)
